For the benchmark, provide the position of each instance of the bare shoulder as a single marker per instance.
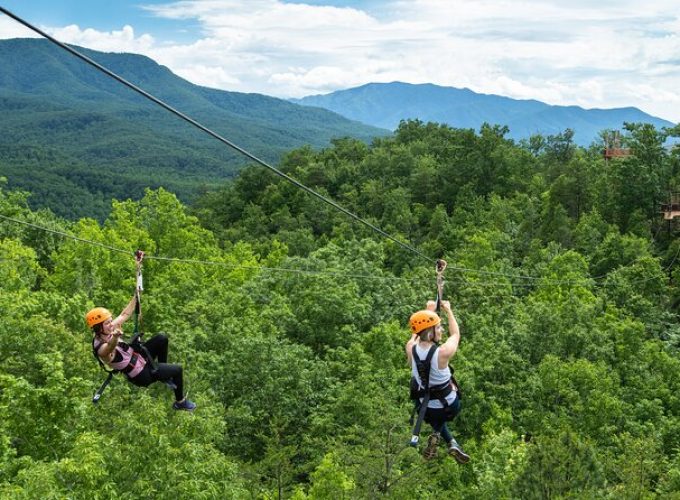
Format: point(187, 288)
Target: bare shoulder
point(446, 352)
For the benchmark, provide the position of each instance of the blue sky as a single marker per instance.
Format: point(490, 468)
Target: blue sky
point(595, 54)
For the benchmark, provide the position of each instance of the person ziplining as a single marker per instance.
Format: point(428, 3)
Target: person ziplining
point(434, 390)
point(141, 363)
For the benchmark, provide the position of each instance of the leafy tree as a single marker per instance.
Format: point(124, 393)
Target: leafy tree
point(560, 466)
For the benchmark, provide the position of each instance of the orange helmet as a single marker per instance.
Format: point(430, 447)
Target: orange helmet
point(422, 320)
point(96, 316)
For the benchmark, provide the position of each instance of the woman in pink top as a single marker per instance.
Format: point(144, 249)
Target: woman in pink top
point(120, 356)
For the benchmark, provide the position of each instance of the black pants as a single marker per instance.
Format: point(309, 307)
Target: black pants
point(158, 349)
point(437, 418)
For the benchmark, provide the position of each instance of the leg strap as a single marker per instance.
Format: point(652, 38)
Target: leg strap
point(100, 391)
point(421, 416)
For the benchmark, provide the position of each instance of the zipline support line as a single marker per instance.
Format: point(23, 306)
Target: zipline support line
point(537, 281)
point(66, 235)
point(205, 129)
point(226, 265)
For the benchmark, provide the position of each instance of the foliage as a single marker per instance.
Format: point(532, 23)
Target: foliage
point(290, 324)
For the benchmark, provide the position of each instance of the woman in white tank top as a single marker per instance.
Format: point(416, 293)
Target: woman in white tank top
point(427, 332)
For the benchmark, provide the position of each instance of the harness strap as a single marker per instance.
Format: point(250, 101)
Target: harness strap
point(419, 422)
point(130, 366)
point(100, 391)
point(440, 266)
point(143, 351)
point(423, 368)
point(96, 356)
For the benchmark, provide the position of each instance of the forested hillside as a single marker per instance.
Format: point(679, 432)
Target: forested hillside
point(76, 138)
point(290, 322)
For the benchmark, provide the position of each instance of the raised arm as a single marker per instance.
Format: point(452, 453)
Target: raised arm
point(449, 348)
point(125, 313)
point(130, 308)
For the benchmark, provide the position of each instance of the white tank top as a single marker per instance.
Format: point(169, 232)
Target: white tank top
point(437, 376)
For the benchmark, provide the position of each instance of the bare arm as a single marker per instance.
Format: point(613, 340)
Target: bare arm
point(125, 313)
point(106, 350)
point(409, 348)
point(449, 348)
point(130, 308)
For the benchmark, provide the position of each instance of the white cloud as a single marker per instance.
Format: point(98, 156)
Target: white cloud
point(9, 28)
point(208, 76)
point(594, 54)
point(123, 40)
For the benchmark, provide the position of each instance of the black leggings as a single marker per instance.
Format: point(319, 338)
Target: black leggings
point(158, 349)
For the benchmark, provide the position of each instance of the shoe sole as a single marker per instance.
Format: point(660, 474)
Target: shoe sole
point(430, 450)
point(183, 408)
point(459, 456)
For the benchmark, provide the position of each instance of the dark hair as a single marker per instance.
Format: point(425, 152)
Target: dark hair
point(98, 328)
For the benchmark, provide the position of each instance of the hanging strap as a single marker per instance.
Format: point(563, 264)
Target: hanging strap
point(139, 256)
point(425, 381)
point(440, 266)
point(100, 391)
point(136, 341)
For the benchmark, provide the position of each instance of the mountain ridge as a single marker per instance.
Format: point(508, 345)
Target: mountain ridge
point(386, 104)
point(52, 101)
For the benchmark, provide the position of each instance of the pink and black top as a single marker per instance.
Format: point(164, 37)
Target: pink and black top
point(125, 358)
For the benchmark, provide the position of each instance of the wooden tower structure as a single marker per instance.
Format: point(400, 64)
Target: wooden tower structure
point(612, 147)
point(671, 209)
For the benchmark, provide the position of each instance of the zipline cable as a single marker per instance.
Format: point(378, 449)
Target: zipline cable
point(539, 282)
point(215, 263)
point(66, 235)
point(301, 271)
point(205, 129)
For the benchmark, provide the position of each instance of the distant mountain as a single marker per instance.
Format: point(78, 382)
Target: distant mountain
point(76, 138)
point(385, 104)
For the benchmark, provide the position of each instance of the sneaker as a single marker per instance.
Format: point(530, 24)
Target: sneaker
point(457, 452)
point(184, 405)
point(430, 450)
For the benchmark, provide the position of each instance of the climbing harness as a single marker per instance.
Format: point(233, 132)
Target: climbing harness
point(423, 390)
point(134, 360)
